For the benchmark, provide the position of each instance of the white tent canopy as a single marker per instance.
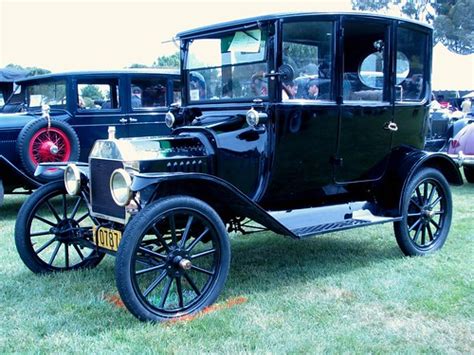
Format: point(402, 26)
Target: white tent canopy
point(452, 71)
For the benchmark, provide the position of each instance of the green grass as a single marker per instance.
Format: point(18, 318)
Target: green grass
point(349, 291)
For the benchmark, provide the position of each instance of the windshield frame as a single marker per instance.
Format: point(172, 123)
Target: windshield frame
point(265, 63)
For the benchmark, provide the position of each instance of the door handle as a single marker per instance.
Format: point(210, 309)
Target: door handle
point(123, 120)
point(390, 126)
point(131, 119)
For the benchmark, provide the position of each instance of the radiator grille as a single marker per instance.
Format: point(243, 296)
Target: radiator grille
point(101, 198)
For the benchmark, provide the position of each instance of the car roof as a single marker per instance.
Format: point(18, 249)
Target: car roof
point(272, 17)
point(147, 71)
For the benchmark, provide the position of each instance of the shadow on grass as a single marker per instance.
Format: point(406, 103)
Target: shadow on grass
point(260, 263)
point(11, 205)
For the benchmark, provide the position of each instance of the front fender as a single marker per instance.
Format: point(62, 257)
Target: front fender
point(83, 167)
point(403, 164)
point(225, 198)
point(13, 177)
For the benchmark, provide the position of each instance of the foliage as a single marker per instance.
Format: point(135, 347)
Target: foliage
point(167, 61)
point(138, 66)
point(348, 292)
point(33, 71)
point(90, 94)
point(453, 20)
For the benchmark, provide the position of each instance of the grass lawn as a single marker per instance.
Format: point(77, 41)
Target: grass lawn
point(350, 291)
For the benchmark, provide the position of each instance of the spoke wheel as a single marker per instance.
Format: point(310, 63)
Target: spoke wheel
point(39, 143)
point(49, 228)
point(427, 211)
point(173, 259)
point(49, 145)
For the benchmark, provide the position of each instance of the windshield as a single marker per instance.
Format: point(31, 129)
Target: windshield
point(35, 95)
point(228, 66)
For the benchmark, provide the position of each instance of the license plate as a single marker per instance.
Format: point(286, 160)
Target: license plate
point(107, 238)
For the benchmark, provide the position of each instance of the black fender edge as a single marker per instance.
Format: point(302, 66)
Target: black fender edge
point(225, 198)
point(403, 164)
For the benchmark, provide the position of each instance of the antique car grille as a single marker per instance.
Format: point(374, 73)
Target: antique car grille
point(101, 197)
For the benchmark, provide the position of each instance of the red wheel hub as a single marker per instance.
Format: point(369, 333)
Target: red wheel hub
point(49, 145)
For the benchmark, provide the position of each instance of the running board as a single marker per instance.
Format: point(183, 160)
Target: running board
point(309, 222)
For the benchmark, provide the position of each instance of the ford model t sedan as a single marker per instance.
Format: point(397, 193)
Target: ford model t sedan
point(81, 105)
point(301, 124)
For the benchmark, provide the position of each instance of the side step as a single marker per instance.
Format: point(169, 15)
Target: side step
point(308, 222)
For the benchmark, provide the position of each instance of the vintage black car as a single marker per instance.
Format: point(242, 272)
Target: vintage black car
point(82, 105)
point(249, 151)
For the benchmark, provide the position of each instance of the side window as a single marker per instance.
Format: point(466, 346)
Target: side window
point(365, 74)
point(410, 67)
point(146, 93)
point(176, 92)
point(308, 49)
point(98, 95)
point(2, 100)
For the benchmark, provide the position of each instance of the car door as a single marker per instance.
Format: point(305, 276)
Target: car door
point(366, 112)
point(147, 103)
point(307, 117)
point(412, 96)
point(98, 105)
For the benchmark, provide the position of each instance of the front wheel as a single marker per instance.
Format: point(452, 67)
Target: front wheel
point(50, 228)
point(426, 213)
point(173, 259)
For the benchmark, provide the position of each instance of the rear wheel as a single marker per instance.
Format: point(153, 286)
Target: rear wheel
point(49, 230)
point(427, 211)
point(469, 174)
point(173, 259)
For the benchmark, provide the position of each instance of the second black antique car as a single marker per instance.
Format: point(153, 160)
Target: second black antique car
point(303, 124)
point(81, 105)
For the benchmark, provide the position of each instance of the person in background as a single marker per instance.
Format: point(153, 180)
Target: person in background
point(312, 89)
point(289, 91)
point(466, 106)
point(136, 97)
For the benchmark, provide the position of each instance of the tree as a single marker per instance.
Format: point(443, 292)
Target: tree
point(32, 71)
point(167, 61)
point(92, 92)
point(138, 66)
point(453, 20)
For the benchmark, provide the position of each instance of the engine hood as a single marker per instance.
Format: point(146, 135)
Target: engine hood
point(150, 148)
point(15, 120)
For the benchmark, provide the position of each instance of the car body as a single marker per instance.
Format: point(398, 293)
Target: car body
point(443, 126)
point(461, 148)
point(245, 155)
point(76, 128)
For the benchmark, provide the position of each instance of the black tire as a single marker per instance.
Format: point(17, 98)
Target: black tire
point(2, 192)
point(37, 143)
point(427, 211)
point(155, 276)
point(56, 222)
point(469, 174)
